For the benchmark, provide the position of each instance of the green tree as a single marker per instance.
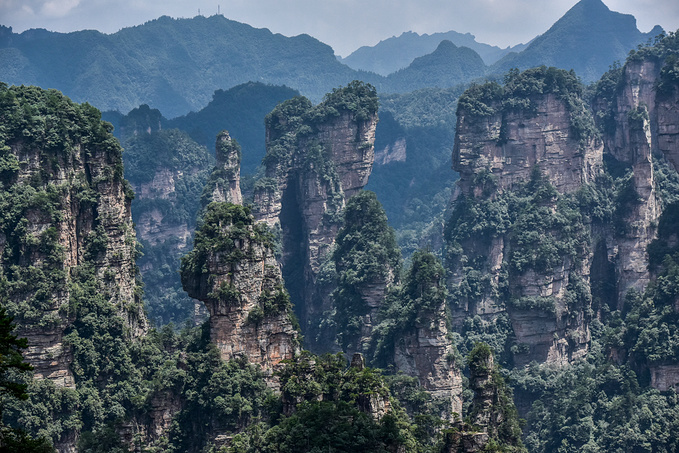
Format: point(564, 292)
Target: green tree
point(366, 256)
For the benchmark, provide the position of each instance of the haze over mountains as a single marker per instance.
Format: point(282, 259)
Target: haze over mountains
point(176, 64)
point(588, 38)
point(396, 53)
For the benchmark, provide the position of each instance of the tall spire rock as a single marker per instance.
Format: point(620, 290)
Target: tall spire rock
point(224, 182)
point(317, 158)
point(232, 269)
point(66, 235)
point(519, 149)
point(638, 120)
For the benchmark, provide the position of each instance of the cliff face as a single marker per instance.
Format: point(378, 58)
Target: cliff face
point(518, 155)
point(642, 121)
point(68, 214)
point(510, 144)
point(631, 142)
point(426, 352)
point(232, 269)
point(317, 158)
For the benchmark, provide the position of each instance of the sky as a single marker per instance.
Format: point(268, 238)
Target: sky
point(343, 24)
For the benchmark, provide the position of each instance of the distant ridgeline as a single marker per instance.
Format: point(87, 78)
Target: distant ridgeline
point(559, 261)
point(191, 58)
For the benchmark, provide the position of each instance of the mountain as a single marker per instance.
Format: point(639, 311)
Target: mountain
point(588, 38)
point(445, 67)
point(396, 53)
point(171, 64)
point(241, 111)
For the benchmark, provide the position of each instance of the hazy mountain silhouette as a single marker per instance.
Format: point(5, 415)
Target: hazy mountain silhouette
point(588, 38)
point(396, 53)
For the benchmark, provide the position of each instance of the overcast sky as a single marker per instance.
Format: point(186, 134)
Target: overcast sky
point(343, 24)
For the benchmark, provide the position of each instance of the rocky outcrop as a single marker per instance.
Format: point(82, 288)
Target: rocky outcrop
point(426, 352)
point(67, 210)
point(317, 158)
point(224, 182)
point(504, 141)
point(232, 269)
point(510, 144)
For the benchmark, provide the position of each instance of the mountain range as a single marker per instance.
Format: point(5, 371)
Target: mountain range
point(396, 53)
point(175, 65)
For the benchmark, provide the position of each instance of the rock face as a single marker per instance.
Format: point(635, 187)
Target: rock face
point(641, 123)
point(510, 144)
point(232, 269)
point(640, 119)
point(224, 183)
point(426, 352)
point(423, 347)
point(64, 183)
point(317, 158)
point(496, 152)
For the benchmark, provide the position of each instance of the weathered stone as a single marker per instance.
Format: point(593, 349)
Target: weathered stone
point(543, 139)
point(227, 184)
point(665, 377)
point(239, 324)
point(510, 146)
point(77, 221)
point(304, 201)
point(426, 352)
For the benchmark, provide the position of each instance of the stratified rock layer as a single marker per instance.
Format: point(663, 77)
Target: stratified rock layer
point(426, 352)
point(232, 269)
point(500, 151)
point(510, 144)
point(75, 209)
point(317, 158)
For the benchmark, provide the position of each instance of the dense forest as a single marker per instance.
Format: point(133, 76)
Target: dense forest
point(275, 274)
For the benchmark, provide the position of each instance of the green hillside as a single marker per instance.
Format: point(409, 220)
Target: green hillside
point(171, 64)
point(588, 38)
point(447, 66)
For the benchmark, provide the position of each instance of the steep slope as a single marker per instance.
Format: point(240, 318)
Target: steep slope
point(517, 245)
point(317, 158)
point(445, 67)
point(588, 38)
point(396, 53)
point(191, 59)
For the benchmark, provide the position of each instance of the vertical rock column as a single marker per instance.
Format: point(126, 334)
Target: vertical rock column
point(317, 157)
point(224, 182)
point(232, 269)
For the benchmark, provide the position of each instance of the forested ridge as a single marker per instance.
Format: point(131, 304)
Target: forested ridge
point(437, 334)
